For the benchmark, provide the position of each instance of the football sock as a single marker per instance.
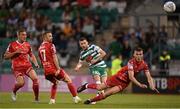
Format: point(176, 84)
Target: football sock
point(72, 89)
point(98, 98)
point(17, 87)
point(36, 89)
point(53, 91)
point(92, 86)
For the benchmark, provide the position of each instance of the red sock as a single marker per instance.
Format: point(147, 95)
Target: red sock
point(98, 98)
point(72, 89)
point(17, 87)
point(92, 86)
point(36, 89)
point(53, 91)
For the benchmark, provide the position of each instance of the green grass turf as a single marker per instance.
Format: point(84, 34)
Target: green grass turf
point(64, 100)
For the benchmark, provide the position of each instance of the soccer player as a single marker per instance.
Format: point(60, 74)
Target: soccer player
point(52, 71)
point(120, 81)
point(93, 55)
point(19, 52)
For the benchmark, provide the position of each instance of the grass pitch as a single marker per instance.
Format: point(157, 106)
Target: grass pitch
point(64, 100)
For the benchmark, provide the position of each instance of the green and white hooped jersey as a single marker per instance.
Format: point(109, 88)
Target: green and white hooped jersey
point(92, 52)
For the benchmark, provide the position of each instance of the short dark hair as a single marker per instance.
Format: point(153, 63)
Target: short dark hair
point(83, 38)
point(138, 49)
point(45, 33)
point(21, 30)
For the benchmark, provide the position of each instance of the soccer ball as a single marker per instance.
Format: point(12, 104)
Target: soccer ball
point(169, 6)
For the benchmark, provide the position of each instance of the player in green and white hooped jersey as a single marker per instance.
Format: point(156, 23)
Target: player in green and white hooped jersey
point(93, 55)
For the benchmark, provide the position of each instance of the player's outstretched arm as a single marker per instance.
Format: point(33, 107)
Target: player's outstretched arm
point(9, 55)
point(78, 66)
point(150, 80)
point(134, 80)
point(34, 60)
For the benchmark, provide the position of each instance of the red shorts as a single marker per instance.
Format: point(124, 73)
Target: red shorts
point(22, 71)
point(52, 78)
point(115, 81)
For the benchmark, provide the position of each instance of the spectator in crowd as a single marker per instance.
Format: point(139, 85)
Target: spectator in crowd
point(88, 28)
point(163, 35)
point(33, 42)
point(78, 32)
point(164, 63)
point(150, 36)
point(115, 46)
point(126, 50)
point(67, 14)
point(84, 3)
point(67, 29)
point(72, 47)
point(116, 64)
point(2, 27)
point(97, 24)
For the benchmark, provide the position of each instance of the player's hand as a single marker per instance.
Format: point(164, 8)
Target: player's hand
point(93, 61)
point(152, 87)
point(37, 66)
point(76, 68)
point(143, 86)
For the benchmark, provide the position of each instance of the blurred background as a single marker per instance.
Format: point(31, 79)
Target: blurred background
point(117, 26)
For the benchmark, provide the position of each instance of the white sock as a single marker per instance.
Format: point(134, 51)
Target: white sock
point(75, 97)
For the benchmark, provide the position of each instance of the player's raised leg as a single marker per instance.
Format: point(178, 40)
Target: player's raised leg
point(104, 95)
point(98, 87)
point(71, 88)
point(19, 83)
point(34, 78)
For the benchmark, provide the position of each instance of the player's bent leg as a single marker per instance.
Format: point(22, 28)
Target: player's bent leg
point(71, 88)
point(34, 78)
point(104, 95)
point(97, 79)
point(98, 87)
point(17, 86)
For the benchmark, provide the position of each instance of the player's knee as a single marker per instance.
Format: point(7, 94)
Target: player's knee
point(67, 80)
point(54, 86)
point(21, 83)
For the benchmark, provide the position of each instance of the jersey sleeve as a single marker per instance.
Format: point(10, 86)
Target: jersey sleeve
point(10, 48)
point(53, 49)
point(80, 57)
point(97, 48)
point(130, 66)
